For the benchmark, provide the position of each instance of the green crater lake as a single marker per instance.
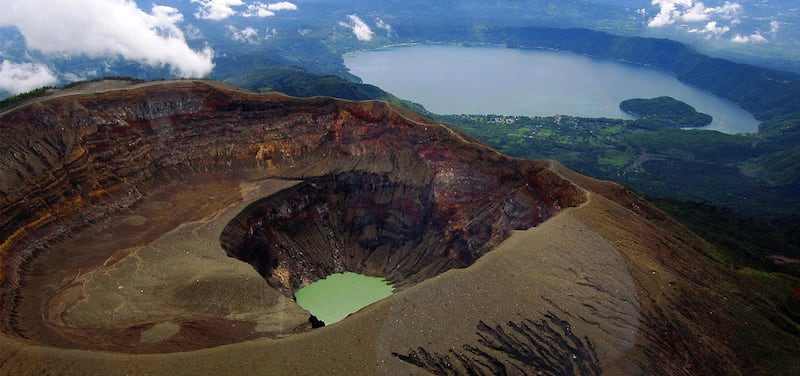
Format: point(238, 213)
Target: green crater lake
point(333, 298)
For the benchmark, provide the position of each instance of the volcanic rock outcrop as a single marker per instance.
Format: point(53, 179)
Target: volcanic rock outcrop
point(119, 210)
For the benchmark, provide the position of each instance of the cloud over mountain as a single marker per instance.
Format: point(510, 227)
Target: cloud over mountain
point(381, 24)
point(674, 11)
point(283, 5)
point(247, 35)
point(360, 29)
point(102, 28)
point(696, 17)
point(752, 38)
point(222, 9)
point(18, 78)
point(711, 29)
point(216, 9)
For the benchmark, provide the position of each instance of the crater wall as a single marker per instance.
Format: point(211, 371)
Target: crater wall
point(385, 191)
point(371, 224)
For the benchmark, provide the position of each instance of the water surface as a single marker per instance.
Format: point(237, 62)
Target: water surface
point(333, 298)
point(496, 80)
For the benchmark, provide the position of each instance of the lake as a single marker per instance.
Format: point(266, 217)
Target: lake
point(450, 79)
point(333, 298)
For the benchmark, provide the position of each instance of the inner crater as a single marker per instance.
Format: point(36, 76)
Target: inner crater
point(374, 225)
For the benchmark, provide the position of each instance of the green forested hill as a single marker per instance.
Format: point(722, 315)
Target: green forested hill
point(298, 82)
point(664, 112)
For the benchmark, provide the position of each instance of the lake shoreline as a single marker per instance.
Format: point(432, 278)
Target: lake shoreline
point(563, 94)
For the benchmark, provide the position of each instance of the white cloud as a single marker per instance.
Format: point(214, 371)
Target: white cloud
point(216, 9)
point(283, 5)
point(711, 29)
point(246, 35)
point(697, 12)
point(674, 11)
point(728, 10)
point(193, 32)
point(250, 34)
point(258, 10)
point(222, 9)
point(381, 24)
point(360, 29)
point(668, 14)
point(752, 38)
point(108, 28)
point(18, 78)
point(72, 77)
point(774, 26)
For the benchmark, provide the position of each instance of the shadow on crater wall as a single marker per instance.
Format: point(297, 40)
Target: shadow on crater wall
point(370, 224)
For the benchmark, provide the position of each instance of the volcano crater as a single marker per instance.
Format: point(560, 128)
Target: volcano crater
point(118, 219)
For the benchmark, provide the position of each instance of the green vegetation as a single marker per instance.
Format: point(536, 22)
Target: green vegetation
point(715, 182)
point(664, 112)
point(742, 240)
point(702, 166)
point(298, 82)
point(43, 91)
point(116, 78)
point(35, 93)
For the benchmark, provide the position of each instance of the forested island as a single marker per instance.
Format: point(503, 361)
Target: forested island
point(664, 111)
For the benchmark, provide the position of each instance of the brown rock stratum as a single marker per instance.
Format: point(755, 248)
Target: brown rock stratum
point(162, 228)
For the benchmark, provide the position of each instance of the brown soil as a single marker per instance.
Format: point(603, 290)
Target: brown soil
point(155, 279)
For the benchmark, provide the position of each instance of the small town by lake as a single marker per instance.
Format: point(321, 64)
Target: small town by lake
point(449, 79)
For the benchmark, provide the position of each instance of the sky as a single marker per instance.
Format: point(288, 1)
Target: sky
point(100, 28)
point(159, 34)
point(154, 36)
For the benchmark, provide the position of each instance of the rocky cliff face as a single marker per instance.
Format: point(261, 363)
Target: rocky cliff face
point(367, 222)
